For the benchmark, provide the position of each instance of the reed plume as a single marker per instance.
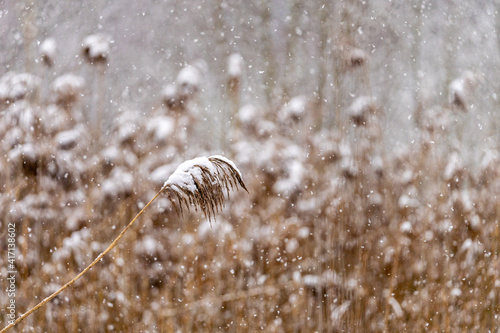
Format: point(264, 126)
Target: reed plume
point(201, 182)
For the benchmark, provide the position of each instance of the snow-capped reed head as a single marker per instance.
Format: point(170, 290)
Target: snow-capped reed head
point(127, 128)
point(15, 86)
point(203, 182)
point(69, 139)
point(96, 48)
point(48, 51)
point(355, 57)
point(170, 97)
point(234, 71)
point(26, 158)
point(189, 78)
point(347, 163)
point(188, 81)
point(461, 89)
point(68, 89)
point(378, 165)
point(248, 117)
point(360, 109)
point(235, 65)
point(294, 110)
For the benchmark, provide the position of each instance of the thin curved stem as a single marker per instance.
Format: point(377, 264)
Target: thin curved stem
point(99, 257)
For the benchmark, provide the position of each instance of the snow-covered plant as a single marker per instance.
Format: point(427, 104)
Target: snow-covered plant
point(69, 139)
point(360, 109)
point(170, 97)
point(461, 88)
point(294, 110)
point(189, 78)
point(235, 65)
point(67, 89)
point(488, 167)
point(347, 163)
point(187, 83)
point(325, 146)
point(20, 115)
point(203, 182)
point(234, 70)
point(14, 86)
point(161, 128)
point(293, 171)
point(25, 157)
point(48, 51)
point(356, 57)
point(247, 119)
point(96, 48)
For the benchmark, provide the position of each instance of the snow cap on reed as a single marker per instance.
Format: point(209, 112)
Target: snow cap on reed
point(202, 182)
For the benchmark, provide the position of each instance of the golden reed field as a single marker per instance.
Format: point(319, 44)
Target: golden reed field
point(353, 183)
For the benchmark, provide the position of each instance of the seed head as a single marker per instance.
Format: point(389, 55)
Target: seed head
point(203, 182)
point(360, 109)
point(96, 48)
point(461, 89)
point(356, 58)
point(68, 89)
point(48, 51)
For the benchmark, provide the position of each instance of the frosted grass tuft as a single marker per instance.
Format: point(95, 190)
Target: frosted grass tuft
point(203, 182)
